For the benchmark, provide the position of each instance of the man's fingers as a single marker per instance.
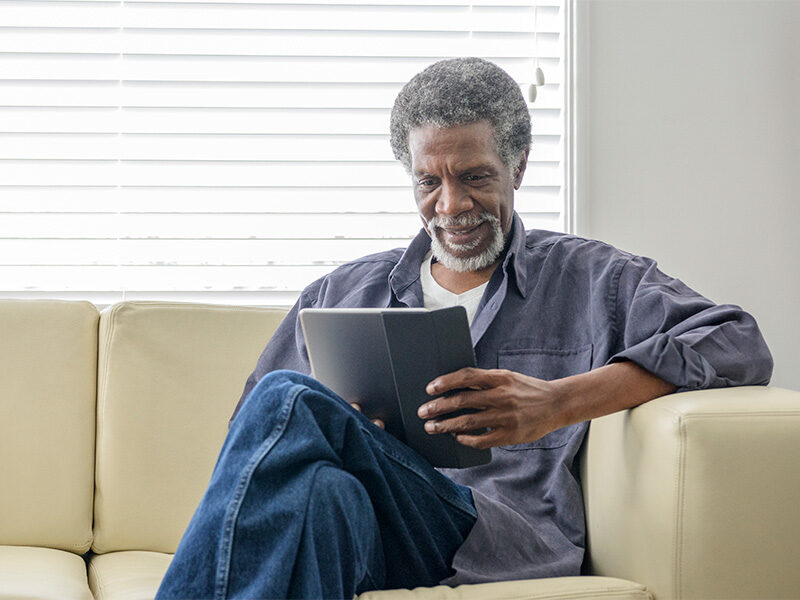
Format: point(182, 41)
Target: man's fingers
point(475, 399)
point(468, 377)
point(441, 406)
point(462, 423)
point(463, 378)
point(486, 440)
point(377, 422)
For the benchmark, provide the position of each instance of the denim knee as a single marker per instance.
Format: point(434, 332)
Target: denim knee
point(275, 382)
point(333, 487)
point(282, 382)
point(270, 392)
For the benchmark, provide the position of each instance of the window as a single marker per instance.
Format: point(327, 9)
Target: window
point(233, 152)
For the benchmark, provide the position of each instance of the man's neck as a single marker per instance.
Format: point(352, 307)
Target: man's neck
point(458, 283)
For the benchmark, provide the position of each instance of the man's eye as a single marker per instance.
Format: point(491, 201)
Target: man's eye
point(426, 182)
point(473, 177)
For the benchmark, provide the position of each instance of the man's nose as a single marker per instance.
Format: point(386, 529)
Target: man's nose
point(453, 199)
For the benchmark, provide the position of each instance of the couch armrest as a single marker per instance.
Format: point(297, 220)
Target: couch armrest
point(697, 494)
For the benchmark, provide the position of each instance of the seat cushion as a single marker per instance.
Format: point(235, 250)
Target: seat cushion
point(28, 573)
point(552, 588)
point(169, 377)
point(136, 575)
point(48, 376)
point(133, 575)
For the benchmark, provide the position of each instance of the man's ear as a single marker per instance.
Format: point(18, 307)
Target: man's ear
point(519, 171)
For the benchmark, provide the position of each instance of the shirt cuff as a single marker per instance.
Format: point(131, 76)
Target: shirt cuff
point(667, 357)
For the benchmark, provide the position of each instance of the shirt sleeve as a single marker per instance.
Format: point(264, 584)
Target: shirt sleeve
point(682, 337)
point(286, 350)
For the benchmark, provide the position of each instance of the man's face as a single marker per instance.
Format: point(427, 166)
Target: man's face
point(464, 192)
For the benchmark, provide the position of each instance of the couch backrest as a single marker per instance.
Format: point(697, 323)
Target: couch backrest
point(169, 377)
point(48, 375)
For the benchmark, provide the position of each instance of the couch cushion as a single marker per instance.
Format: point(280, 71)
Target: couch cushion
point(28, 573)
point(48, 371)
point(133, 575)
point(170, 375)
point(553, 588)
point(137, 575)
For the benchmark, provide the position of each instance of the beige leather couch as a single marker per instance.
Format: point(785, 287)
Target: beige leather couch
point(111, 424)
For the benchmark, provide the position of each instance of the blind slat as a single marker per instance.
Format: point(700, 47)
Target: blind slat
point(212, 121)
point(110, 94)
point(188, 252)
point(189, 279)
point(218, 147)
point(278, 17)
point(108, 67)
point(15, 172)
point(64, 40)
point(240, 199)
point(213, 226)
point(495, 3)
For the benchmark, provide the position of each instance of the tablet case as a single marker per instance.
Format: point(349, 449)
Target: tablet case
point(383, 359)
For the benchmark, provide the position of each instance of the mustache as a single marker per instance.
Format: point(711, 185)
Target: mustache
point(465, 220)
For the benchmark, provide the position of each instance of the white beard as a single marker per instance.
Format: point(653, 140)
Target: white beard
point(442, 251)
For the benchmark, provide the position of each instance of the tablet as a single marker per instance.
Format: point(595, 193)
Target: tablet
point(383, 358)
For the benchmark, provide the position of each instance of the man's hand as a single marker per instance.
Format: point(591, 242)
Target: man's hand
point(515, 408)
point(377, 422)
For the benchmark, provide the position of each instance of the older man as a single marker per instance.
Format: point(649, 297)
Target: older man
point(311, 499)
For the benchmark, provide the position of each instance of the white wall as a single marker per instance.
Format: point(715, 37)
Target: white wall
point(689, 148)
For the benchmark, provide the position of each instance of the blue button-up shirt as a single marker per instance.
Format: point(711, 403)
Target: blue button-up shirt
point(558, 305)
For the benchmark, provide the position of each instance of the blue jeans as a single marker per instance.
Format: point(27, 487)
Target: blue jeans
point(309, 499)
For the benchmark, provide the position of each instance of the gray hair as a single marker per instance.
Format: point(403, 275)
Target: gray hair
point(459, 91)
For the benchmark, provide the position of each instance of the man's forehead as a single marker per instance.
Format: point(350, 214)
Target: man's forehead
point(470, 139)
point(463, 166)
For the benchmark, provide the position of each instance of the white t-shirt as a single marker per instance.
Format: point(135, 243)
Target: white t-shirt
point(435, 296)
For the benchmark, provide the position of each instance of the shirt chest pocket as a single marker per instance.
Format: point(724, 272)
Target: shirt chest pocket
point(547, 364)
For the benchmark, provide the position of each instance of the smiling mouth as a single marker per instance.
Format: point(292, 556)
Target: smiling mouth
point(462, 232)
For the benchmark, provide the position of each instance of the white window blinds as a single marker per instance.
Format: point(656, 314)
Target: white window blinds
point(233, 151)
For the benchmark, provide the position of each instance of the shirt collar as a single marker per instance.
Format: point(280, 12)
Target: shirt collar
point(406, 271)
point(515, 257)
